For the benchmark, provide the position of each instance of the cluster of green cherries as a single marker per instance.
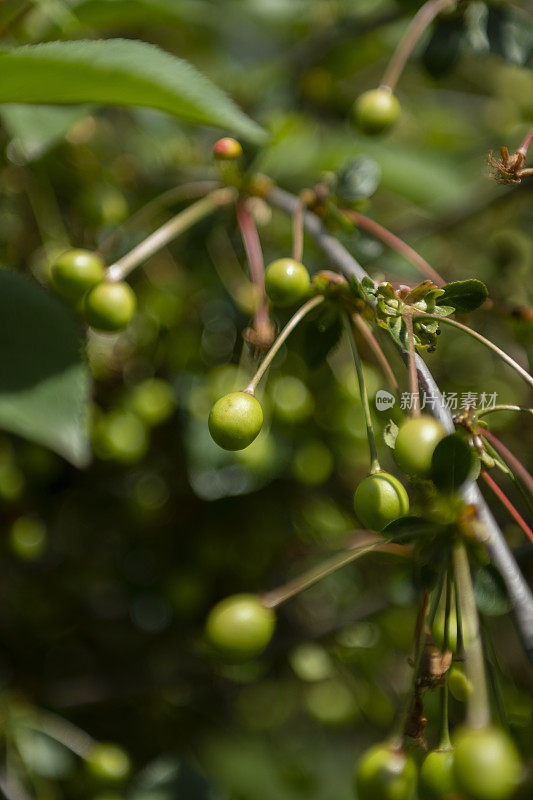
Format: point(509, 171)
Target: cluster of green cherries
point(79, 278)
point(482, 764)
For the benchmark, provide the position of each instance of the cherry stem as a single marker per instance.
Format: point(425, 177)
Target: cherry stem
point(413, 375)
point(478, 712)
point(287, 330)
point(298, 233)
point(503, 407)
point(291, 588)
point(70, 736)
point(374, 460)
point(395, 243)
point(475, 335)
point(511, 460)
point(169, 231)
point(186, 191)
point(444, 735)
point(374, 345)
point(254, 253)
point(424, 17)
point(502, 497)
point(524, 147)
point(398, 732)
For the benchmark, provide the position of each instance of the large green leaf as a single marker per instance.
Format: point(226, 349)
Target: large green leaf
point(118, 72)
point(44, 381)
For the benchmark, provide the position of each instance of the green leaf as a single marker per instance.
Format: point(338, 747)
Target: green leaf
point(34, 129)
point(408, 529)
point(390, 433)
point(118, 72)
point(452, 463)
point(464, 296)
point(358, 179)
point(44, 381)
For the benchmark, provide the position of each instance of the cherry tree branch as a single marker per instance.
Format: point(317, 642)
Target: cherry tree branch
point(500, 553)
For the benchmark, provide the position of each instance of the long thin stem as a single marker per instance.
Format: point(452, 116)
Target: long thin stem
point(503, 407)
point(413, 376)
point(374, 345)
point(69, 735)
point(395, 243)
point(262, 326)
point(374, 460)
point(298, 233)
point(291, 588)
point(510, 459)
point(475, 335)
point(169, 231)
point(478, 711)
point(504, 500)
point(397, 735)
point(424, 17)
point(444, 733)
point(178, 194)
point(287, 330)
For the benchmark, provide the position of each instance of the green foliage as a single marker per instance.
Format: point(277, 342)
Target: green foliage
point(118, 72)
point(44, 382)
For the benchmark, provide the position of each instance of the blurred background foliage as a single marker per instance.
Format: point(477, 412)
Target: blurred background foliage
point(107, 573)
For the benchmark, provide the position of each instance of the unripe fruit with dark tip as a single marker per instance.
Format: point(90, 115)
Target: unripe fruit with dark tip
point(240, 627)
point(385, 773)
point(235, 420)
point(415, 443)
point(75, 272)
point(287, 282)
point(379, 499)
point(376, 111)
point(227, 149)
point(436, 780)
point(486, 764)
point(110, 306)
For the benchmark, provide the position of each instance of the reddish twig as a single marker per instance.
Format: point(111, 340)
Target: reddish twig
point(298, 233)
point(262, 334)
point(395, 243)
point(504, 500)
point(512, 461)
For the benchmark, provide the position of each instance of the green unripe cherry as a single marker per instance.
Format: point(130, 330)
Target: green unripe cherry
point(109, 763)
point(376, 110)
point(153, 401)
point(240, 627)
point(415, 443)
point(442, 638)
point(110, 306)
point(287, 282)
point(384, 773)
point(486, 764)
point(235, 420)
point(75, 272)
point(458, 684)
point(380, 498)
point(436, 780)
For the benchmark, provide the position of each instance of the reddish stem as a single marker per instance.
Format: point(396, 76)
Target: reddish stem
point(513, 462)
point(254, 254)
point(502, 497)
point(525, 144)
point(395, 243)
point(298, 233)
